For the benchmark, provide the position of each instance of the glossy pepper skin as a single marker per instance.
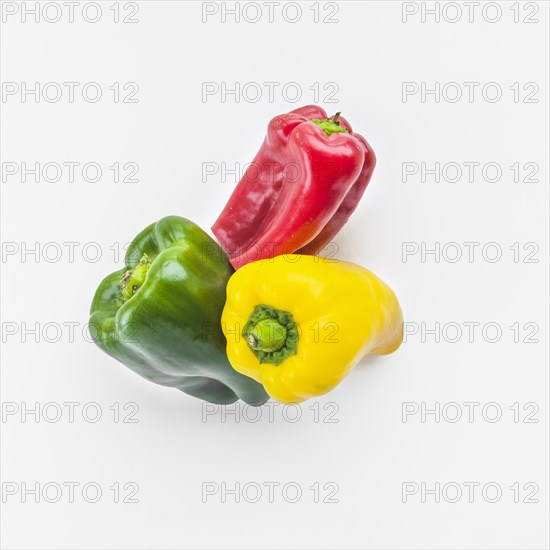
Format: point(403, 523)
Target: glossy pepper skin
point(160, 314)
point(298, 323)
point(300, 189)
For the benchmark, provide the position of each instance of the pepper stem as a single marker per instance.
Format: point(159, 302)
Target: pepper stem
point(330, 125)
point(271, 334)
point(268, 335)
point(133, 279)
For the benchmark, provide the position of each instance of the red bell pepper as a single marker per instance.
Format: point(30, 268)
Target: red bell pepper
point(301, 188)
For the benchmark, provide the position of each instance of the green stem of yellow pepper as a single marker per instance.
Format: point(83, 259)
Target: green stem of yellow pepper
point(267, 335)
point(271, 334)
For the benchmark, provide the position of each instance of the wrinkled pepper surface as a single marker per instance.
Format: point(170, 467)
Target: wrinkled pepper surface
point(300, 189)
point(298, 323)
point(160, 314)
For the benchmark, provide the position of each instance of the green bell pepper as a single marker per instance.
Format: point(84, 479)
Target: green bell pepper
point(160, 315)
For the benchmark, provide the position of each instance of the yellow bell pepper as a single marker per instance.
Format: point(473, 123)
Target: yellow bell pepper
point(299, 324)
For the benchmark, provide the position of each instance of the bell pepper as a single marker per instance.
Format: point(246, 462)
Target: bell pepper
point(300, 189)
point(298, 324)
point(160, 314)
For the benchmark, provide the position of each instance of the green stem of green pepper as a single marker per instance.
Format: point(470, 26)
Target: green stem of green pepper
point(133, 279)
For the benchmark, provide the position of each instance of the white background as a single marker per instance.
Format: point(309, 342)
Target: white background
point(368, 450)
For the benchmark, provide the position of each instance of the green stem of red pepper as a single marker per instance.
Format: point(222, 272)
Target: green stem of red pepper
point(330, 125)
